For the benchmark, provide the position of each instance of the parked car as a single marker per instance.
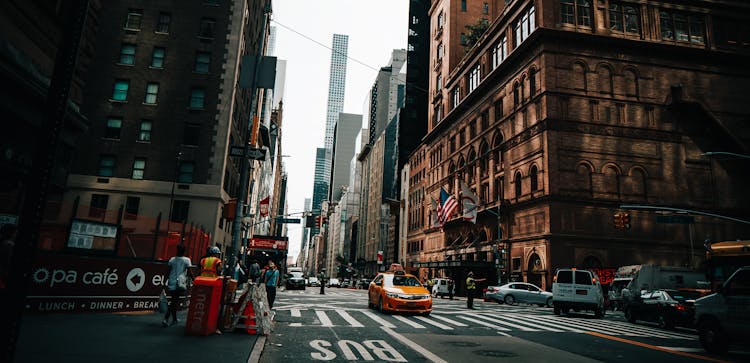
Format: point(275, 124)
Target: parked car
point(313, 281)
point(443, 287)
point(577, 290)
point(666, 307)
point(363, 283)
point(333, 282)
point(399, 292)
point(519, 292)
point(295, 280)
point(346, 283)
point(723, 318)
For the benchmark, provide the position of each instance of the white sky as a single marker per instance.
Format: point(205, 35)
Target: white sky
point(374, 27)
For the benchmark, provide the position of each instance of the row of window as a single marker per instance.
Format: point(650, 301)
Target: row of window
point(113, 131)
point(122, 86)
point(100, 202)
point(134, 22)
point(626, 18)
point(202, 63)
point(108, 163)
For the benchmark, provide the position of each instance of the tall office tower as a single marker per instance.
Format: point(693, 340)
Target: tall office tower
point(163, 96)
point(336, 87)
point(320, 188)
point(386, 93)
point(347, 128)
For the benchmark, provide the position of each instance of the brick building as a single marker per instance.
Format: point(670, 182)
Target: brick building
point(561, 111)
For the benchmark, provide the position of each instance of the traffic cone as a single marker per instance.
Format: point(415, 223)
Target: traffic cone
point(249, 315)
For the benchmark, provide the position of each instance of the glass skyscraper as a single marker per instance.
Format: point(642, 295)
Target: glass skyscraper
point(336, 88)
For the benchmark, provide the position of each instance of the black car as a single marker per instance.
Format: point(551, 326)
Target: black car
point(295, 280)
point(668, 308)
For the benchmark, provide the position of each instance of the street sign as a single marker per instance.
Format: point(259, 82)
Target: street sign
point(288, 220)
point(256, 154)
point(675, 219)
point(237, 151)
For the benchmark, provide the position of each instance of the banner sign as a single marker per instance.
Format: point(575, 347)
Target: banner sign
point(92, 235)
point(268, 243)
point(75, 284)
point(606, 275)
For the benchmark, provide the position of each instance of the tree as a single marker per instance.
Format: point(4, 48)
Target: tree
point(475, 32)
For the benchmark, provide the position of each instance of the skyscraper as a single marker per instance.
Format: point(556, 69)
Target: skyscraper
point(336, 87)
point(320, 189)
point(347, 128)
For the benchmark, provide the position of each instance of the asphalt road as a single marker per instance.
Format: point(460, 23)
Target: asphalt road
point(339, 327)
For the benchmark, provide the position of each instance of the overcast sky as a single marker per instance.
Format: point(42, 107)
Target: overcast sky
point(374, 28)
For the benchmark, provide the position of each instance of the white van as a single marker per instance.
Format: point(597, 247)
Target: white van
point(443, 287)
point(577, 290)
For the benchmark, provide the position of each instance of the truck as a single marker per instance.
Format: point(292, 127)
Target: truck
point(723, 318)
point(723, 258)
point(652, 277)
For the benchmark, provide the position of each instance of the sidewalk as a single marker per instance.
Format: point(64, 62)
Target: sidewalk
point(121, 338)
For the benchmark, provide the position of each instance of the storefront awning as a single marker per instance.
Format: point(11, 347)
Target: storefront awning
point(454, 264)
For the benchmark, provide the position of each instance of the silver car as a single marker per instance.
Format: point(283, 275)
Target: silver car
point(516, 292)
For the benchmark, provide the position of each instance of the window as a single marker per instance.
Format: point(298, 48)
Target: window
point(532, 81)
point(120, 92)
point(576, 12)
point(517, 183)
point(525, 25)
point(452, 144)
point(474, 77)
point(565, 277)
point(485, 120)
point(186, 172)
point(180, 210)
point(498, 109)
point(681, 27)
point(583, 278)
point(198, 98)
point(732, 33)
point(132, 205)
point(162, 25)
point(624, 18)
point(112, 131)
point(152, 91)
point(438, 83)
point(139, 166)
point(463, 5)
point(191, 135)
point(485, 8)
point(144, 131)
point(441, 20)
point(461, 138)
point(534, 178)
point(106, 165)
point(440, 51)
point(157, 57)
point(456, 96)
point(516, 93)
point(127, 54)
point(98, 205)
point(202, 62)
point(499, 52)
point(207, 28)
point(472, 129)
point(133, 20)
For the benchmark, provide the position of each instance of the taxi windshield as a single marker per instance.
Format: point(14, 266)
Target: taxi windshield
point(395, 280)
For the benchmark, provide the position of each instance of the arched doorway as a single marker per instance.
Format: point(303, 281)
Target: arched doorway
point(535, 270)
point(591, 262)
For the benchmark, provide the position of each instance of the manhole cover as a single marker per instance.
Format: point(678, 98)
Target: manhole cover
point(495, 353)
point(464, 344)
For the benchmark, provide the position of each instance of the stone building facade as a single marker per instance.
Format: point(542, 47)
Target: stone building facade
point(563, 111)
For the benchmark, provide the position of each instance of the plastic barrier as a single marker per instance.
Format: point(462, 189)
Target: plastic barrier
point(205, 302)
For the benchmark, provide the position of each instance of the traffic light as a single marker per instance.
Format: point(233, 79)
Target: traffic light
point(626, 220)
point(618, 220)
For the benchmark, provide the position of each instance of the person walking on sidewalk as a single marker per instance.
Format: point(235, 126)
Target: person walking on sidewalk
point(254, 271)
point(471, 289)
point(322, 279)
point(177, 283)
point(271, 280)
point(211, 264)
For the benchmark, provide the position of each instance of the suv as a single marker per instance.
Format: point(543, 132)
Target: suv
point(577, 290)
point(724, 317)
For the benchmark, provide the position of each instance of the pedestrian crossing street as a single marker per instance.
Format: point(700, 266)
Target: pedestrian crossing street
point(503, 321)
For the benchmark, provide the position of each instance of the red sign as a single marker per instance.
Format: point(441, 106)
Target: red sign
point(71, 283)
point(606, 275)
point(268, 243)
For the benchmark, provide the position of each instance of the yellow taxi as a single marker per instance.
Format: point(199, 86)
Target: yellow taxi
point(399, 292)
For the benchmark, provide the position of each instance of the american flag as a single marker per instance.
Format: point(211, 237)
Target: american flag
point(448, 206)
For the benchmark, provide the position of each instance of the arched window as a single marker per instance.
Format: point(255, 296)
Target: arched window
point(631, 82)
point(579, 76)
point(611, 182)
point(583, 178)
point(591, 262)
point(470, 166)
point(532, 82)
point(451, 174)
point(534, 178)
point(516, 94)
point(484, 158)
point(498, 153)
point(460, 171)
point(517, 184)
point(605, 79)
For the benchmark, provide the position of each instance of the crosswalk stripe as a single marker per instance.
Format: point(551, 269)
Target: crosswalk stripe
point(551, 324)
point(353, 322)
point(652, 331)
point(324, 320)
point(596, 328)
point(295, 313)
point(435, 323)
point(409, 322)
point(378, 319)
point(519, 321)
point(628, 329)
point(295, 324)
point(502, 322)
point(451, 321)
point(480, 322)
point(584, 328)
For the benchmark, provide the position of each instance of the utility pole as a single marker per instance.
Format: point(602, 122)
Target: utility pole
point(251, 140)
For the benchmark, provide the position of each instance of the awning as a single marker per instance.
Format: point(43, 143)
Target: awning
point(454, 264)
